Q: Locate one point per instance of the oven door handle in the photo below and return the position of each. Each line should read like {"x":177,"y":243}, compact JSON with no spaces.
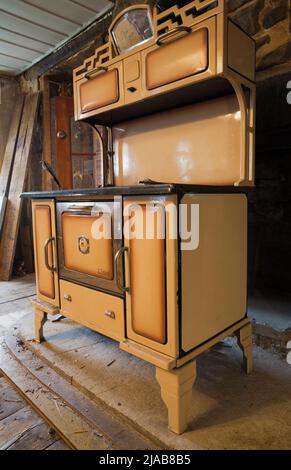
{"x":79,"y":208}
{"x":121,"y":250}
{"x":46,"y":255}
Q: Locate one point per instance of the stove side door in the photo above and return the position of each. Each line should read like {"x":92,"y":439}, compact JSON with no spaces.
{"x":151,"y":269}
{"x":45,"y":255}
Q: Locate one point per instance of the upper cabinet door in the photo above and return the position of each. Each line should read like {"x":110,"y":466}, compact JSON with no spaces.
{"x":180,"y":57}
{"x":99,"y":90}
{"x":44,"y":234}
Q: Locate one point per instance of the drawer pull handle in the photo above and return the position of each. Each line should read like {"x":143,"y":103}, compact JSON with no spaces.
{"x":116,"y":259}
{"x":89,"y":74}
{"x":110,"y":314}
{"x":68,"y":297}
{"x":179,"y":29}
{"x":80,"y":208}
{"x":132,"y":89}
{"x":46,"y":255}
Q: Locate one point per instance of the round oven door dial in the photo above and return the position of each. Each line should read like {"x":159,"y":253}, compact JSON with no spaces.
{"x":84,"y":245}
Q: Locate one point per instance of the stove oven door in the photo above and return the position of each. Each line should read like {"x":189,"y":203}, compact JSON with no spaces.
{"x":89,"y":238}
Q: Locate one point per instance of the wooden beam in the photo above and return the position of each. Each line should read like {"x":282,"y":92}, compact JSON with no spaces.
{"x":64,"y":109}
{"x":46,"y":131}
{"x":7,"y":165}
{"x":17,"y":185}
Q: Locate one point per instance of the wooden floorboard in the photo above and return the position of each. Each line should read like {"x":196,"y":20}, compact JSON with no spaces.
{"x":10,"y":401}
{"x":121,"y":435}
{"x":38,"y":437}
{"x":77,"y":432}
{"x":51,"y":396}
{"x":19,"y":288}
{"x":16,"y":425}
{"x":15,"y":301}
{"x":21,"y":428}
{"x":58,"y":445}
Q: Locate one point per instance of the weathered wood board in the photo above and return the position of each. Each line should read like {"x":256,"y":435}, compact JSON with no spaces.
{"x":7,"y":165}
{"x":119,"y":434}
{"x":46,"y":129}
{"x":17,"y":185}
{"x":3,"y":203}
{"x":76,"y":432}
{"x":20,"y":427}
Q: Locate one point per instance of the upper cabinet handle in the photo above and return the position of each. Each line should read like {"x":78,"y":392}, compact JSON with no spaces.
{"x":179,"y":29}
{"x":88,"y":75}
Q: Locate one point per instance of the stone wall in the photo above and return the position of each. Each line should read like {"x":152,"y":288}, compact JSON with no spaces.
{"x":269,"y":23}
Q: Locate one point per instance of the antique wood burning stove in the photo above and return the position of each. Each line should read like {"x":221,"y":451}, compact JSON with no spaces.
{"x":175,"y":91}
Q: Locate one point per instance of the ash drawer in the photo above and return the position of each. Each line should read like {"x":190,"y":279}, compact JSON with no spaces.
{"x":99,"y":311}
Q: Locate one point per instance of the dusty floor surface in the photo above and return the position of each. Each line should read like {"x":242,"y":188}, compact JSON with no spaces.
{"x":21,"y":428}
{"x":15,"y":299}
{"x":271,"y":309}
{"x":229,"y":410}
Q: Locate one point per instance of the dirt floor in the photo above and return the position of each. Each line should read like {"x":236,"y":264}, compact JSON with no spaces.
{"x":229,"y":410}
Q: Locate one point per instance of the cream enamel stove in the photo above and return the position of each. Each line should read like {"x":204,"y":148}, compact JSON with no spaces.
{"x":175,"y":92}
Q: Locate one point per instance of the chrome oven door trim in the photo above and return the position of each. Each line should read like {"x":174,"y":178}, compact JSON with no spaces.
{"x":83,"y":208}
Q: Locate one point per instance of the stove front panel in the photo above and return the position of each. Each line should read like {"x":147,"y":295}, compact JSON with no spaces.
{"x":89,"y":236}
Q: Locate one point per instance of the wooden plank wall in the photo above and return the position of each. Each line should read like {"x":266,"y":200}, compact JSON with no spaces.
{"x":17,"y":185}
{"x":9,"y":91}
{"x":7,"y":164}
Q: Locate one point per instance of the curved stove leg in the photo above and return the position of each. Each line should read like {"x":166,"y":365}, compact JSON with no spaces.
{"x":245,"y":342}
{"x":176,"y":391}
{"x":40,"y":318}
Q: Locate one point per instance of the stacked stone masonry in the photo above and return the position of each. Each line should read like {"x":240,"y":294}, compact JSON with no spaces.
{"x":269,"y":23}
